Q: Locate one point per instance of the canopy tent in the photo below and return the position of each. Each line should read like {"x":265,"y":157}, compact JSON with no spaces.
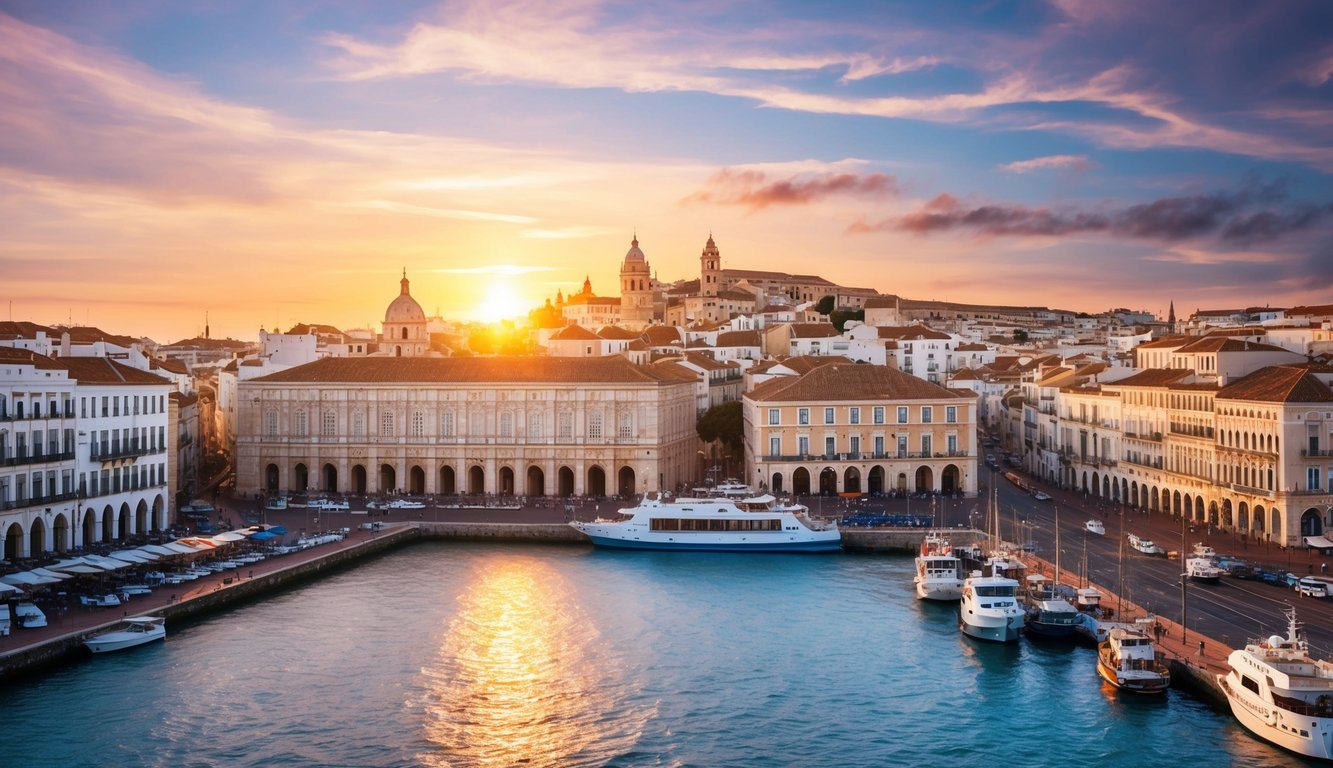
{"x":52,"y":574}
{"x":278,"y":529}
{"x":177,"y":548}
{"x":158,"y":549}
{"x":6,"y":588}
{"x":27,"y":579}
{"x":197,"y":544}
{"x":107,"y":563}
{"x":66,"y":565}
{"x":263,"y":536}
{"x":229,"y":537}
{"x":81,"y":569}
{"x":133,"y":556}
{"x":1318,"y":542}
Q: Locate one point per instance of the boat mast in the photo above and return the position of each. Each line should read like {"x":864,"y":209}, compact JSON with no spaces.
{"x":1057,"y":544}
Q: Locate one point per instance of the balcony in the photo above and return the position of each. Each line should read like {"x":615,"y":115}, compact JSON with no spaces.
{"x":126,"y":450}
{"x":1145,"y":461}
{"x":1192,"y":430}
{"x":1238,"y":488}
{"x":36,"y":457}
{"x":820,"y":457}
{"x":37,"y":501}
{"x":1155,"y":437}
{"x":1313,"y":454}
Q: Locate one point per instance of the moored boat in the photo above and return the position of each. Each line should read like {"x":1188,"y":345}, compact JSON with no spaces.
{"x":937,"y":569}
{"x":1281,"y":694}
{"x":714,"y":525}
{"x":989,"y":609}
{"x":1146,"y":546}
{"x":1128,"y":660}
{"x":1049,"y":613}
{"x":128,"y":634}
{"x":1202,"y":570}
{"x":1095,"y":526}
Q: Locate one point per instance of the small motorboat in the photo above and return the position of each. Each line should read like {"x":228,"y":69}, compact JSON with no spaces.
{"x":101,"y":601}
{"x":128,"y":633}
{"x":1095,"y":526}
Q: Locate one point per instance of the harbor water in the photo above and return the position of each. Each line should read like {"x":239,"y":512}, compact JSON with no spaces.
{"x":489,"y":655}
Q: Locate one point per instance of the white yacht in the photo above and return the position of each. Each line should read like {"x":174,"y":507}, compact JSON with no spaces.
{"x":714,"y":525}
{"x":989,"y":609}
{"x":937,"y":570}
{"x":1281,"y":694}
{"x":128,"y":634}
{"x":1095,"y":526}
{"x":1128,"y":660}
{"x":1146,"y":546}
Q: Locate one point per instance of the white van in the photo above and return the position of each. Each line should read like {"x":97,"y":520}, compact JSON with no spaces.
{"x":1314,"y":586}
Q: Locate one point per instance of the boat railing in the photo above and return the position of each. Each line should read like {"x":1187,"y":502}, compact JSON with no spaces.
{"x":1322,"y":706}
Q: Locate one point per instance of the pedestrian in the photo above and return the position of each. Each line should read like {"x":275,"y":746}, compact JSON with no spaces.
{"x":1323,"y":567}
{"x":1200,"y":649}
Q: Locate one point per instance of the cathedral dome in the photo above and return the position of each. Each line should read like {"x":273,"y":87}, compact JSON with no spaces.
{"x":634,"y":254}
{"x":404,"y":309}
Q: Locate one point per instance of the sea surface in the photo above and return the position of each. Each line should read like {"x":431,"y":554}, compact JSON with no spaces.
{"x":487,"y":655}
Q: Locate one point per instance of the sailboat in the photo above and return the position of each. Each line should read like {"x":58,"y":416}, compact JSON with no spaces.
{"x":1049,"y":614}
{"x":1127,"y":658}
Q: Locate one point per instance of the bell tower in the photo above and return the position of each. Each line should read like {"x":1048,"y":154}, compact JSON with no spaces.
{"x":710,"y":268}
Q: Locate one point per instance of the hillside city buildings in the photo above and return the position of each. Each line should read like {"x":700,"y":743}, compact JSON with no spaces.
{"x":1224,"y":416}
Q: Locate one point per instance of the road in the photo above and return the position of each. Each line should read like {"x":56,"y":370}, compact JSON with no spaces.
{"x":1233,"y":611}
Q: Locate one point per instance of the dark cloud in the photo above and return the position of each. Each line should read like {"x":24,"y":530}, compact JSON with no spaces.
{"x":1256,"y":212}
{"x":754,"y":190}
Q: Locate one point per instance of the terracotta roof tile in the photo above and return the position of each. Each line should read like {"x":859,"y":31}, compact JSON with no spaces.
{"x":1279,"y":384}
{"x":26,"y":357}
{"x":1154,"y":377}
{"x":100,"y":370}
{"x":738,"y":339}
{"x":843,"y":382}
{"x":574,"y":333}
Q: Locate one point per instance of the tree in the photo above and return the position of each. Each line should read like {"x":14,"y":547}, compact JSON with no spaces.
{"x":724,"y":423}
{"x":825,"y":305}
{"x":839,"y":317}
{"x":1020,"y":336}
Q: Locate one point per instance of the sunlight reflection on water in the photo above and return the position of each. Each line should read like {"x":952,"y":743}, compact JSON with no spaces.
{"x":520,"y":677}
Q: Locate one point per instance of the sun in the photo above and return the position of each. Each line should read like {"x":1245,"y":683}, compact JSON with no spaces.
{"x":500,"y":303}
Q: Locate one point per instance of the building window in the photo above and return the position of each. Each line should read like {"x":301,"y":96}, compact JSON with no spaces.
{"x":802,"y":416}
{"x":626,"y":428}
{"x":830,"y":446}
{"x":447,"y":428}
{"x":358,"y":424}
{"x":803,"y":445}
{"x":828,"y":415}
{"x":952,"y":441}
{"x":595,"y":425}
{"x":1312,"y":478}
{"x":925,"y":446}
{"x":386,"y":423}
{"x":878,"y":414}
{"x":328,"y":424}
{"x":854,"y":444}
{"x":879,"y":445}
{"x":902,"y":446}
{"x":507,"y":424}
{"x":271,"y":423}
{"x":951,"y":414}
{"x":925,"y":414}
{"x":902,"y":414}
{"x":854,"y":415}
{"x":301,"y":425}
{"x":565,"y":426}
{"x":534,"y":425}
{"x":773,"y":416}
{"x":418,"y":424}
{"x":774,"y":446}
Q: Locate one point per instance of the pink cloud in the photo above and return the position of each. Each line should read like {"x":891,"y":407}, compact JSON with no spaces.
{"x":754,"y":190}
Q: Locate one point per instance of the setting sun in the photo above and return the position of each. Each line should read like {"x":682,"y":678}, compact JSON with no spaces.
{"x":500,"y":303}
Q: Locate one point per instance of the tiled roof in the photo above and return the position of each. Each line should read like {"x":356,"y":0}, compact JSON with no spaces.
{"x":813,"y":330}
{"x":202,"y":343}
{"x":1226,"y":344}
{"x":472,"y":370}
{"x":663,"y":335}
{"x":174,"y":366}
{"x":843,"y":382}
{"x":965,"y":374}
{"x":971,"y":347}
{"x":1166,"y":342}
{"x":910,"y":332}
{"x":100,"y":370}
{"x":1311,"y":310}
{"x":301,"y":329}
{"x":1154,"y":377}
{"x":736,"y":295}
{"x":773,"y":309}
{"x":756,"y":274}
{"x":881,"y":302}
{"x":800,"y":364}
{"x":89,"y":335}
{"x":738,"y":339}
{"x":22,"y":329}
{"x":574,"y":333}
{"x":26,"y":357}
{"x":616,"y":333}
{"x":707,"y":363}
{"x":1279,"y":384}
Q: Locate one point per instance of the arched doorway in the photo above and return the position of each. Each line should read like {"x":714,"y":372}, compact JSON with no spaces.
{"x":875,"y":481}
{"x":951,"y":479}
{"x":1134,"y":494}
{"x":506,"y":481}
{"x":141,"y":517}
{"x":14,"y":542}
{"x":330,"y":484}
{"x":596,"y":481}
{"x":476,"y":480}
{"x":564,"y":482}
{"x":108,"y":523}
{"x":89,"y":527}
{"x":625,"y":482}
{"x":359,"y":480}
{"x":1275,"y":526}
{"x":416,"y":480}
{"x":159,"y":515}
{"x":1096,"y":485}
{"x":828,"y":482}
{"x":271,"y":478}
{"x":1198,"y":508}
{"x":1212,"y":513}
{"x":447,"y":481}
{"x":388,"y":479}
{"x":925,"y":480}
{"x":1311,"y":523}
{"x":60,"y":533}
{"x":800,"y":482}
{"x":776,"y":484}
{"x":1243,"y":516}
{"x":1260,"y":519}
{"x":1154,"y":500}
{"x":301,"y":479}
{"x":36,"y":538}
{"x":1226,"y":513}
{"x":123,"y":523}
{"x":536,"y":485}
{"x":851,"y":480}
{"x":902,"y":482}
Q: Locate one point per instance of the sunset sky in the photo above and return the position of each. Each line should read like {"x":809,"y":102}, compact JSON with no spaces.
{"x":275,"y":162}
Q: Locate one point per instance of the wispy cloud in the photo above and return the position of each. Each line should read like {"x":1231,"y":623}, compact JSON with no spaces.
{"x":1071,"y":162}
{"x":755,"y":190}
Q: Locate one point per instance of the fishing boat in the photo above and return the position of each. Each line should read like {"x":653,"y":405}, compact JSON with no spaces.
{"x":1202,"y":570}
{"x":1128,"y":660}
{"x":1049,"y":614}
{"x":759,"y":524}
{"x":1281,"y":694}
{"x":128,"y":634}
{"x":937,"y":569}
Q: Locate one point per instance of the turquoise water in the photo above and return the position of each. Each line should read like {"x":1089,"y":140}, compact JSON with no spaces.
{"x":461,"y":656}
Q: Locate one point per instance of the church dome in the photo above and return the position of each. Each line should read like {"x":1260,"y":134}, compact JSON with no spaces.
{"x":404,"y":309}
{"x":634,"y":254}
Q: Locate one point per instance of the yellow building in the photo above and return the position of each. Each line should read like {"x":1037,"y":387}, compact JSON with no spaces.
{"x":848,"y":428}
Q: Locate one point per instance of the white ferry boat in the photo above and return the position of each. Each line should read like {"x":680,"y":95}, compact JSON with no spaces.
{"x":937,"y":570}
{"x":990,"y":609}
{"x":714,"y":525}
{"x":1128,"y":660}
{"x":1281,"y":694}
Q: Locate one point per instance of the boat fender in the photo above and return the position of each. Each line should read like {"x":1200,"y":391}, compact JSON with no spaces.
{"x":1271,"y":718}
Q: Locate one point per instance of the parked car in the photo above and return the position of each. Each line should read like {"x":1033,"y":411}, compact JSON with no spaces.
{"x":1041,"y":496}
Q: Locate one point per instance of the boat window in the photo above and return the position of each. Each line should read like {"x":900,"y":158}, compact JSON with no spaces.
{"x":1249,"y":684}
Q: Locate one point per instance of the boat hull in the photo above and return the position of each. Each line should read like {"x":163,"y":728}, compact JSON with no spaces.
{"x":944,"y":591}
{"x":1265,"y":721}
{"x":1133,"y":683}
{"x":751,"y":544}
{"x":1049,"y":630}
{"x":1006,"y":632}
{"x":119,"y":641}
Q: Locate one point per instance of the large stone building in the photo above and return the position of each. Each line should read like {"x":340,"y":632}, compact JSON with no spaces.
{"x":848,"y":428}
{"x":524,"y":426}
